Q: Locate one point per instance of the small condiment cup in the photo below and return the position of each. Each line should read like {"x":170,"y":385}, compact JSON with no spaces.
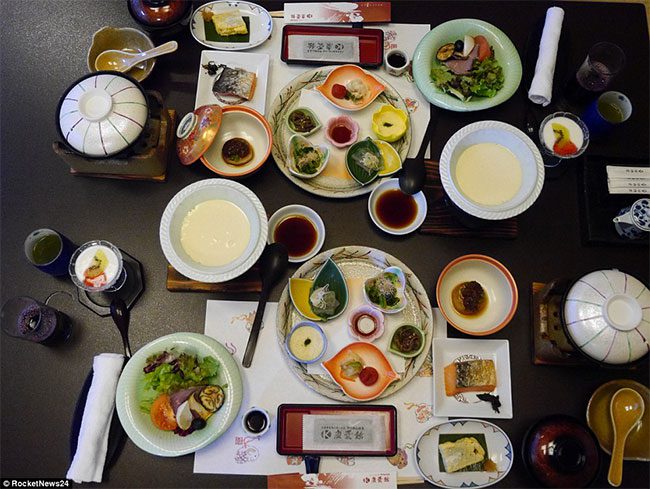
{"x":393,"y":184}
{"x":305,"y":212}
{"x":396,"y":70}
{"x":252,"y":411}
{"x":318,"y":329}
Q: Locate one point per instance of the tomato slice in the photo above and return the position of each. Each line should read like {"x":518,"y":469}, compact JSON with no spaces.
{"x":368,"y":376}
{"x":162,"y":414}
{"x":339,"y":91}
{"x":484,"y":50}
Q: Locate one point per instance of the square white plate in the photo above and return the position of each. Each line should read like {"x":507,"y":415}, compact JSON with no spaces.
{"x":448,"y":350}
{"x":256,"y":63}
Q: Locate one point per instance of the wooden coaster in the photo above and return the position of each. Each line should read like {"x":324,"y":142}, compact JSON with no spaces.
{"x":248,"y":282}
{"x":440,"y":219}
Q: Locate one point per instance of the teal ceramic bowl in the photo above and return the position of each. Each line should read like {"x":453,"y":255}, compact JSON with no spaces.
{"x":504,"y":51}
{"x":137,"y":423}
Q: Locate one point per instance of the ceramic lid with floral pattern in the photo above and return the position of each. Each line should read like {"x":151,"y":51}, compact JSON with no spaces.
{"x":102,"y":114}
{"x":196,"y":132}
{"x":607,"y":316}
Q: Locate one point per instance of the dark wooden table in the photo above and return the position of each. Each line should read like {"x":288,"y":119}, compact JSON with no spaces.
{"x":44,"y":46}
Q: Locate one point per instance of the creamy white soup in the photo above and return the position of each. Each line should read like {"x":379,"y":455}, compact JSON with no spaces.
{"x":488,"y":173}
{"x":215,"y":233}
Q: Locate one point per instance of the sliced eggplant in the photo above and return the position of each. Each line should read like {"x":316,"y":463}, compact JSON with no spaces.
{"x":445,"y":52}
{"x":212,"y":397}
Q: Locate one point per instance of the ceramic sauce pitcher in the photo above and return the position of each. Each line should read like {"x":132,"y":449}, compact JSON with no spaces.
{"x":634,"y":221}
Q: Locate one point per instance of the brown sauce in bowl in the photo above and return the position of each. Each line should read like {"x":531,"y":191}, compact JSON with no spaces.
{"x":395,"y":209}
{"x":298,"y":234}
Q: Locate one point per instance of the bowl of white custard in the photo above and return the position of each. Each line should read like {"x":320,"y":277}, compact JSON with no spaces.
{"x":213,"y":230}
{"x":491,"y":170}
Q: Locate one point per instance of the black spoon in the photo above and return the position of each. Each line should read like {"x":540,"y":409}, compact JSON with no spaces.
{"x":273,"y":264}
{"x":120,"y":315}
{"x":413,"y":175}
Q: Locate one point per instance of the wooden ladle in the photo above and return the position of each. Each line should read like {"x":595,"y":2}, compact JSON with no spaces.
{"x":625,"y":409}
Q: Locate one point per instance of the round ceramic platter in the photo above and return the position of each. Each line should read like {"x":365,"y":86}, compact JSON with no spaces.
{"x":358,"y":263}
{"x":261,"y":24}
{"x":427,"y":459}
{"x":137,"y":423}
{"x":504,"y":51}
{"x":599,"y":420}
{"x":334,"y":182}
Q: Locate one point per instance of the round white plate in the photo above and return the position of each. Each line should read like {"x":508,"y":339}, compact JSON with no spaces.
{"x":499,"y":450}
{"x":334,"y":182}
{"x":261,"y":24}
{"x":358,"y":263}
{"x":186,"y":200}
{"x":137,"y":423}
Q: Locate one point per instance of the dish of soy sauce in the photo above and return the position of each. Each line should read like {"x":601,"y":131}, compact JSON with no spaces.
{"x":298,"y":234}
{"x":395,"y":209}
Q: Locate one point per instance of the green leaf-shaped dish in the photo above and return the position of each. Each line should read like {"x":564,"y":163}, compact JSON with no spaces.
{"x":356,"y":154}
{"x":305,"y":112}
{"x":330,"y":276}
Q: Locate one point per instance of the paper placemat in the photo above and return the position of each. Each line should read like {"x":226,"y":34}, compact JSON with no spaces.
{"x":396,"y":36}
{"x":269,"y":382}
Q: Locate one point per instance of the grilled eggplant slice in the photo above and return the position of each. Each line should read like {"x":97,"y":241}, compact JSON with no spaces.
{"x":445,"y":52}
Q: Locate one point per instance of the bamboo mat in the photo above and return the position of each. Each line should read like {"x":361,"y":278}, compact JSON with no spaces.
{"x":441,"y":221}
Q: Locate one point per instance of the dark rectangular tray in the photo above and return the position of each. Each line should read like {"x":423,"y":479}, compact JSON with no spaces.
{"x":598,"y":207}
{"x":371,"y":44}
{"x":289,"y":441}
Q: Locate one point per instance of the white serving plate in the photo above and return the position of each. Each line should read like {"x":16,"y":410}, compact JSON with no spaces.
{"x":261,"y":24}
{"x":448,"y":350}
{"x":253,"y":62}
{"x":499,"y":450}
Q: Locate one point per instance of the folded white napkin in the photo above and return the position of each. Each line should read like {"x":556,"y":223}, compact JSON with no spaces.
{"x":88,"y":462}
{"x":541,"y":87}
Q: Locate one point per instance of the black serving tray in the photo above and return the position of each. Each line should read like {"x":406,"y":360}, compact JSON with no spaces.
{"x":598,"y":207}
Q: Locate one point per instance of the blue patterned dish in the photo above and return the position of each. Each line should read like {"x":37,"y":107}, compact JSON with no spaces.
{"x":499,"y":451}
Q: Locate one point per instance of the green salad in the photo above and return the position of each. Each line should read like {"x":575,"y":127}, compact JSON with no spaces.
{"x":168,"y":372}
{"x":468,"y":68}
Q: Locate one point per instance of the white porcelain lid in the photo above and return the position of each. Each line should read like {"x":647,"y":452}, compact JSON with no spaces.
{"x":103,"y":114}
{"x":607,"y":314}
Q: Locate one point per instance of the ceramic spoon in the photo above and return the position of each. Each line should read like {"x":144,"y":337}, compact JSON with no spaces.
{"x":116,"y":60}
{"x":273,"y":264}
{"x":625,"y":409}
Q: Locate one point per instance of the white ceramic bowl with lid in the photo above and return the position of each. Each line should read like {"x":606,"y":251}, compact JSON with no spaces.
{"x":526,"y":152}
{"x":102,"y":114}
{"x":606,"y":315}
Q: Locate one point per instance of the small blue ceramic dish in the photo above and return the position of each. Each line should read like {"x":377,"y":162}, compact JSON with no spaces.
{"x":306,"y":342}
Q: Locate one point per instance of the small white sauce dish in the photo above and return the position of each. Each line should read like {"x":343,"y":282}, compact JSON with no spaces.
{"x":304,"y":326}
{"x":393,"y":184}
{"x":302,"y":211}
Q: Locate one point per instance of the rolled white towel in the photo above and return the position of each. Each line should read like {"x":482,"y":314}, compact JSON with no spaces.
{"x":541,"y":88}
{"x":88,"y":462}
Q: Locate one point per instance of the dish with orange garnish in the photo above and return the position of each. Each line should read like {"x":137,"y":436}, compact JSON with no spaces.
{"x":349,"y":87}
{"x":362,"y":371}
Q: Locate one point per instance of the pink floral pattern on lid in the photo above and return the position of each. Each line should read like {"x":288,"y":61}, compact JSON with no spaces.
{"x":196,"y":132}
